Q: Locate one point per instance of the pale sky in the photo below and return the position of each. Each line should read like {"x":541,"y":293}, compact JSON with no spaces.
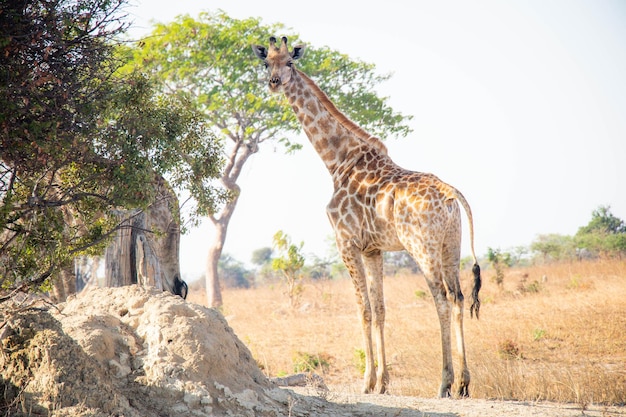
{"x":521,"y":105}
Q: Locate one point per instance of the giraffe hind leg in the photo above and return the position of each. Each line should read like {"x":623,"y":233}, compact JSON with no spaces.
{"x":451,"y":270}
{"x":443,"y":306}
{"x":373,"y":263}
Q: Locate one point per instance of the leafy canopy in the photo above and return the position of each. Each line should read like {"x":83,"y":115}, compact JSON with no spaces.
{"x":210,"y":57}
{"x":79,"y":139}
{"x":605,"y":233}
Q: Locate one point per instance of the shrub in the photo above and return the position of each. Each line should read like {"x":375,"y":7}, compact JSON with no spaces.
{"x":307,"y":362}
{"x":508,"y":349}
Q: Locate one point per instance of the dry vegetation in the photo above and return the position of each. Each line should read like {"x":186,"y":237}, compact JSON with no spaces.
{"x":554,"y":332}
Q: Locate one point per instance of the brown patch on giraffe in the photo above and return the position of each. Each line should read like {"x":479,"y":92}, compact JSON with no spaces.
{"x":360,"y":176}
{"x":325,"y":126}
{"x":312,"y":107}
{"x":341,"y":194}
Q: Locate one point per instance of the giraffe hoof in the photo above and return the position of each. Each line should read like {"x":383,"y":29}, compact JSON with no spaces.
{"x":444,"y":392}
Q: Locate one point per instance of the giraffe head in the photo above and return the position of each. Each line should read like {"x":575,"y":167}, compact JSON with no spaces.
{"x":278,"y":61}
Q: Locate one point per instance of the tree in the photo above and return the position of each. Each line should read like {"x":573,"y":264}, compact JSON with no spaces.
{"x":79,"y":139}
{"x":233,"y":272}
{"x":553,"y":246}
{"x":290,"y":264}
{"x":262,"y":256}
{"x":211,"y":59}
{"x":499,"y":261}
{"x":603,"y":221}
{"x":605,"y":233}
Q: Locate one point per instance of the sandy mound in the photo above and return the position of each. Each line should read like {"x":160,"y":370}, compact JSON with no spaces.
{"x":133,"y":352}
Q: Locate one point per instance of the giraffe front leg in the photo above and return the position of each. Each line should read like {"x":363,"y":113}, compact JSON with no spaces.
{"x":352,"y":259}
{"x":369,"y":377}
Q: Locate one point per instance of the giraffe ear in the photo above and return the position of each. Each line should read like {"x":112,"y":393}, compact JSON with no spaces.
{"x":260,"y":51}
{"x":298,"y":51}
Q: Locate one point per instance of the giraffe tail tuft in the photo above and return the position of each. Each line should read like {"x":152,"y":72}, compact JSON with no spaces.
{"x":475,"y":308}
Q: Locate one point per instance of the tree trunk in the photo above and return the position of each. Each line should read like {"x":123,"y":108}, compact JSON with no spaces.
{"x":236,"y":160}
{"x":121,"y":256}
{"x":213,"y":288}
{"x":64,"y":284}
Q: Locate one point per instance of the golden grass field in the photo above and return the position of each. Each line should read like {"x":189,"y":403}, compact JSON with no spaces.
{"x":554,"y":332}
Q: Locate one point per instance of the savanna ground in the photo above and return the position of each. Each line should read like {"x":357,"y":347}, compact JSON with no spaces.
{"x":549,"y":333}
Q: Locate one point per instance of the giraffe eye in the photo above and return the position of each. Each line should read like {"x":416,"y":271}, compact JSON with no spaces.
{"x":266,"y":64}
{"x":290,"y":64}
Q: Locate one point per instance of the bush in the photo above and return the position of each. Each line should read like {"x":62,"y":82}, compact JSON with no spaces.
{"x":307,"y":362}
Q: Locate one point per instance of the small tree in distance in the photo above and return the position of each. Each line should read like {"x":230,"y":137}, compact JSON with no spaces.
{"x":290,"y":263}
{"x":261,"y":256}
{"x":605,"y":234}
{"x":499,"y":260}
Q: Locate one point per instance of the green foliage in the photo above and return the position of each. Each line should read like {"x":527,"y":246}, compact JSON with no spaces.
{"x":499,"y":261}
{"x":233,"y":272}
{"x":307,"y":362}
{"x":262,"y":256}
{"x":79,"y":139}
{"x":420,"y":294}
{"x":359,"y":360}
{"x":530,"y":288}
{"x":331,"y":265}
{"x":604,"y":234}
{"x":553,"y":247}
{"x":539,"y":334}
{"x":211,"y":58}
{"x":466,"y":262}
{"x":603,"y":221}
{"x":290,"y":264}
{"x":320,"y":268}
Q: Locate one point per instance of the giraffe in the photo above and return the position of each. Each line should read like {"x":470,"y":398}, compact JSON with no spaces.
{"x":378,"y":206}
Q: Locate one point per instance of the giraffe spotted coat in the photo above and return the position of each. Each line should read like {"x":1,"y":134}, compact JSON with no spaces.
{"x":378,"y":206}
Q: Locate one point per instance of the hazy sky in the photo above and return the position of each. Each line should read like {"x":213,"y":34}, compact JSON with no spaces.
{"x":521,"y":105}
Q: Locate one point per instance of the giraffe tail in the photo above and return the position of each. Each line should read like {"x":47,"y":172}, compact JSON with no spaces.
{"x":475,"y":307}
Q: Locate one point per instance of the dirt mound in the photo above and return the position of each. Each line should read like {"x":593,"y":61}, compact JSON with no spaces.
{"x":134,"y":352}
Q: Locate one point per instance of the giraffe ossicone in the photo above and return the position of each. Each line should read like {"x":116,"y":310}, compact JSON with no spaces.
{"x":378,"y":206}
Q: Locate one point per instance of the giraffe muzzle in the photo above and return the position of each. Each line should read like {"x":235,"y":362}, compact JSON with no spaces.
{"x":274,"y":81}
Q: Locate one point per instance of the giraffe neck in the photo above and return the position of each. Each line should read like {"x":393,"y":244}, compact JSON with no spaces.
{"x":339,"y":141}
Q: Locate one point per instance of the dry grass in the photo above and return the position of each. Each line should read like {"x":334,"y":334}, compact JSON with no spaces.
{"x":562,"y":338}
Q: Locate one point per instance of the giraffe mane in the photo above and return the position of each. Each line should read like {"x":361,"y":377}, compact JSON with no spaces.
{"x":360,"y":133}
